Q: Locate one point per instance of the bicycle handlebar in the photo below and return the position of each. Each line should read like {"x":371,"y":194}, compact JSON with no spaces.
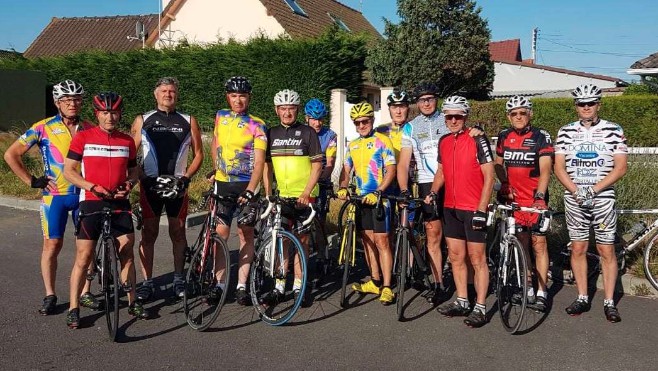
{"x":546,"y":214}
{"x":273,"y":200}
{"x":106,"y":211}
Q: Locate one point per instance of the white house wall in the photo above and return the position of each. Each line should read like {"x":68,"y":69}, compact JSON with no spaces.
{"x":511,"y":78}
{"x":209,"y":21}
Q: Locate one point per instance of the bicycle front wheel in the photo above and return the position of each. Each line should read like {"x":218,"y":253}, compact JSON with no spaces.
{"x":402,"y":270}
{"x":346,"y":245}
{"x":512,"y":285}
{"x":201,"y":303}
{"x":651,"y":262}
{"x":110,"y":285}
{"x":277,"y":290}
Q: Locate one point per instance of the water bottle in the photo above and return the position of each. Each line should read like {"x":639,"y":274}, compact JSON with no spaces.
{"x":635,"y":231}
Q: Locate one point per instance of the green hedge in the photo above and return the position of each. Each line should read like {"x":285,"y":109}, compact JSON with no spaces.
{"x":636,"y":114}
{"x":312,"y":67}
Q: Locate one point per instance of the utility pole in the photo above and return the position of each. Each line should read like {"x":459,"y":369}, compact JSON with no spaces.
{"x":535,"y":32}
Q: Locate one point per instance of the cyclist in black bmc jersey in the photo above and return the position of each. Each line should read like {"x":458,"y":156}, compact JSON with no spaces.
{"x":165,"y":136}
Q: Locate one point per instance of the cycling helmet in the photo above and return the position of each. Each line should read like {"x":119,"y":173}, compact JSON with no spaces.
{"x":362,"y":110}
{"x":67,"y":87}
{"x":425,"y":88}
{"x":315,"y":109}
{"x":518,"y":101}
{"x":108,"y":101}
{"x":398,"y":97}
{"x":237,"y":84}
{"x":587,"y":93}
{"x":166,"y":186}
{"x":287,"y":97}
{"x":456,"y":102}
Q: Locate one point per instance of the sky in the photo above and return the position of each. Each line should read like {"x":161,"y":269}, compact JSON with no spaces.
{"x":597,"y":36}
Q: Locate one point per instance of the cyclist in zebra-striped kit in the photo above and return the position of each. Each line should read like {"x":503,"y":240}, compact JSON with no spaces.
{"x":590,"y":157}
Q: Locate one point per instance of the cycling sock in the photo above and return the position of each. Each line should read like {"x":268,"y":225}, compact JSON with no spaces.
{"x":584,"y":298}
{"x":608,"y":303}
{"x":480,"y":308}
{"x":542,"y":293}
{"x":297,"y":285}
{"x":463,"y":302}
{"x":531,"y":291}
{"x":377,"y":283}
{"x":242,"y":286}
{"x":280,"y":285}
{"x":221,"y":285}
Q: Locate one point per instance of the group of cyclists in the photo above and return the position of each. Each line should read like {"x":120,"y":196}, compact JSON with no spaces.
{"x":88,"y":167}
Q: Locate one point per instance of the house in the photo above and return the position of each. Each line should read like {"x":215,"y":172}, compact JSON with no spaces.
{"x":645,"y":67}
{"x":513,"y":75}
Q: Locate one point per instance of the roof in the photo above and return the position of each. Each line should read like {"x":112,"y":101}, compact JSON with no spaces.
{"x":646,"y":63}
{"x":619,"y":81}
{"x":70,"y":35}
{"x":505,"y":50}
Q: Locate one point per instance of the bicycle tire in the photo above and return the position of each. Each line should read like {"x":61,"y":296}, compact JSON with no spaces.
{"x":111,"y":286}
{"x":262,"y":281}
{"x":200,"y":311}
{"x":651,"y":262}
{"x":560,"y":271}
{"x":403,"y":269}
{"x":347,"y":261}
{"x":512,"y":286}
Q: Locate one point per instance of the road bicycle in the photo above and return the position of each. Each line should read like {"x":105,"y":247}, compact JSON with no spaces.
{"x":642,"y":232}
{"x":201,"y":309}
{"x":107,"y":266}
{"x":348,"y":241}
{"x":512,"y":268}
{"x":278,"y":251}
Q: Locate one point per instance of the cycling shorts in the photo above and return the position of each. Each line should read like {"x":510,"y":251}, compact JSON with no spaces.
{"x":152,"y":204}
{"x":428,"y":211}
{"x":226,"y":210}
{"x":54,"y":212}
{"x":457,"y":224}
{"x":90,"y":226}
{"x":603,"y":217}
{"x":367,"y":219}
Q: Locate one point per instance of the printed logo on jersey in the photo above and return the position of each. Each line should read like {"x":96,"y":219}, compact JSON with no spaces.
{"x":286,"y":142}
{"x":519,"y":156}
{"x":298,"y":133}
{"x":58,"y":131}
{"x":586,"y":150}
{"x":528,"y":143}
{"x":370,"y":145}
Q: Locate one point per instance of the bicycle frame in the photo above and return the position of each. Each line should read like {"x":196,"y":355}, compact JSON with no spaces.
{"x":351,"y":218}
{"x":645,"y":234}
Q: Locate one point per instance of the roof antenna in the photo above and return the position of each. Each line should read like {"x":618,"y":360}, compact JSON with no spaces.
{"x":140,"y":33}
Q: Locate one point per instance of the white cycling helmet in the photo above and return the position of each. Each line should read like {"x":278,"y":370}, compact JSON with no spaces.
{"x":518,"y":101}
{"x":287,"y":97}
{"x":67,"y":87}
{"x":587,"y":93}
{"x":456,"y":102}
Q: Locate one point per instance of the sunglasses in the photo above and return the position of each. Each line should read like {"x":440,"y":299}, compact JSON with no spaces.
{"x":427,"y":100}
{"x":361,"y":122}
{"x":588,"y":104}
{"x":70,"y":101}
{"x":455,"y":117}
{"x":521,"y":113}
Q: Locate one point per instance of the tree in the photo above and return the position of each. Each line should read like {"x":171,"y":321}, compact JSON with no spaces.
{"x":648,"y":85}
{"x":442,"y":41}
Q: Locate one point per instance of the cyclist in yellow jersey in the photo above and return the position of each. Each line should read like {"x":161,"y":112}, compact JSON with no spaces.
{"x":238,"y":152}
{"x":371,"y":156}
{"x":53,"y":136}
{"x":294,"y":160}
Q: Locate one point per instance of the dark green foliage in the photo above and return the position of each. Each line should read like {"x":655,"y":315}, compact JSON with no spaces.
{"x":648,"y":86}
{"x":443,"y":41}
{"x":310,"y":66}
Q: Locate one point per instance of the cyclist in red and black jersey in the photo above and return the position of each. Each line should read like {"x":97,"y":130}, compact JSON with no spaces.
{"x":465,"y":170}
{"x":527,"y":153}
{"x":108,"y":162}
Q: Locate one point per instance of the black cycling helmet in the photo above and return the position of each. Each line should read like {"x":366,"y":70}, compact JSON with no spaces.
{"x":108,"y":101}
{"x":398,"y":97}
{"x":237,"y":84}
{"x":425,"y":88}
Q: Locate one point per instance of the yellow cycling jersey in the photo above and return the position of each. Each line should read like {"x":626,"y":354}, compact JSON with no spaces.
{"x":369,"y":156}
{"x":394,"y":133}
{"x":237,"y":137}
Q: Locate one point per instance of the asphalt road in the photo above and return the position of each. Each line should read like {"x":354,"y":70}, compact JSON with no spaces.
{"x":323,"y":337}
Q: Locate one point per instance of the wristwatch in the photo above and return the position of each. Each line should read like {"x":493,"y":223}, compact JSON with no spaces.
{"x":539,"y":195}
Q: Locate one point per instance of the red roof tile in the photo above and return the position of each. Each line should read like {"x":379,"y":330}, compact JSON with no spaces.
{"x":505,"y":51}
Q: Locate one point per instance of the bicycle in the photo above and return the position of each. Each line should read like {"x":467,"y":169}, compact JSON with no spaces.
{"x":347,"y":253}
{"x":107,"y":266}
{"x":512,"y":272}
{"x":201,"y":310}
{"x":271,"y":271}
{"x":642,"y":232}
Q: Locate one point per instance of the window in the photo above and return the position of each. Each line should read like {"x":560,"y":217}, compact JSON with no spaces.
{"x":295,"y":7}
{"x":339,"y":22}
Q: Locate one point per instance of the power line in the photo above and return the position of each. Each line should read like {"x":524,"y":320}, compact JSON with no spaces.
{"x":593,"y":52}
{"x":581,"y":50}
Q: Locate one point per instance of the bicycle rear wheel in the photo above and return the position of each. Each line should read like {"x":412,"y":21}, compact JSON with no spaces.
{"x":346,"y":245}
{"x":512,"y":285}
{"x":402,"y":247}
{"x":277,"y":309}
{"x":201,"y":308}
{"x":110,"y":285}
{"x":651,"y":262}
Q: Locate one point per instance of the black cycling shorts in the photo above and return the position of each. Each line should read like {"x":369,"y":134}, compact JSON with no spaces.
{"x":90,"y":226}
{"x":229,"y":209}
{"x":429,"y":213}
{"x":367,"y":219}
{"x":293,"y":216}
{"x":152,"y":204}
{"x":457,"y":224}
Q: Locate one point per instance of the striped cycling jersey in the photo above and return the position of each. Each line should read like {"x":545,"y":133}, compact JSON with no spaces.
{"x":53,"y":138}
{"x":589,"y":152}
{"x":291,"y":150}
{"x":237,"y":137}
{"x":422,"y":135}
{"x":166,"y":140}
{"x":369,"y":156}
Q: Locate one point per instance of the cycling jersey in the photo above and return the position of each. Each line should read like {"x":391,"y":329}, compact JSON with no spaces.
{"x":291,"y":150}
{"x":237,"y":137}
{"x":394,"y":133}
{"x":422,"y":134}
{"x":521,"y":151}
{"x":106,"y":158}
{"x":328,"y":145}
{"x":369,"y":156}
{"x":53,"y":138}
{"x":460,"y":156}
{"x":589,"y":152}
{"x":166,"y":139}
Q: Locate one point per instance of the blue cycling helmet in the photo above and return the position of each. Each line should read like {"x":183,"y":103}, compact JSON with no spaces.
{"x":315,"y":109}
